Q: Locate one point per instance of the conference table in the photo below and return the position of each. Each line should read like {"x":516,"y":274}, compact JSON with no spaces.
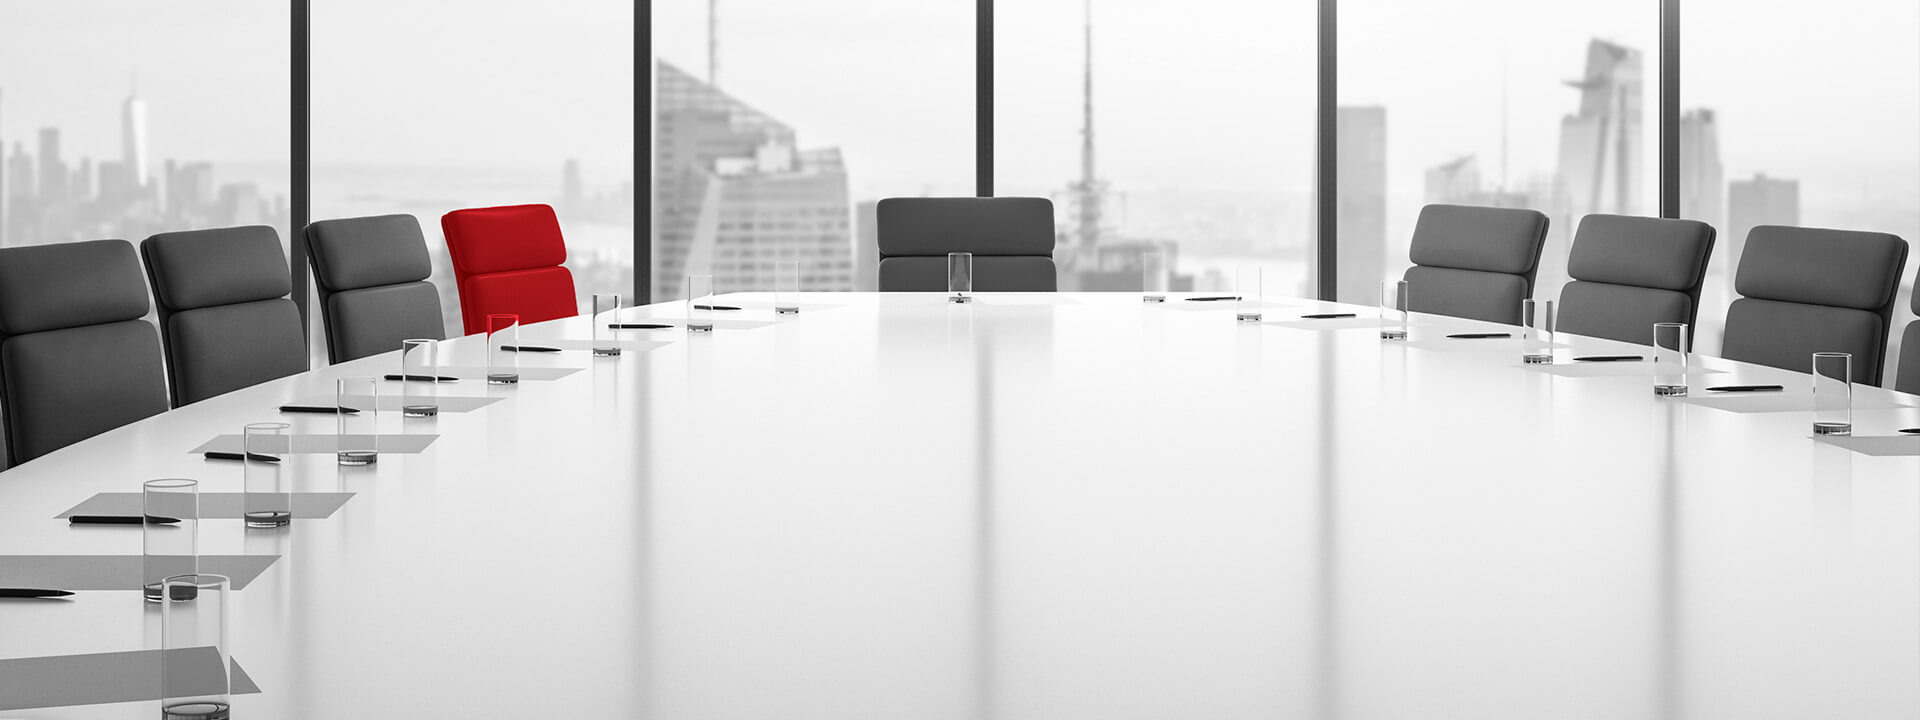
{"x":1072,"y":505}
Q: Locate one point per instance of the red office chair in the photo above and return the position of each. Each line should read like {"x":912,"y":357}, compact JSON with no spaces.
{"x":507,"y":260}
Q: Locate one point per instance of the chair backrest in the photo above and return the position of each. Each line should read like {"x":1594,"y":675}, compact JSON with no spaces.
{"x":1631,"y":272}
{"x":1474,"y":262}
{"x":508,"y":260}
{"x":225,"y":316}
{"x":1807,"y":290}
{"x":372,"y":274}
{"x":1011,"y":239}
{"x":76,"y":357}
{"x":1908,"y":379}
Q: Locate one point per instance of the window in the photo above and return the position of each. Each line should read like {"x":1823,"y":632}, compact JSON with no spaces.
{"x":1822,"y":135}
{"x":1184,"y":127}
{"x":779,"y":125}
{"x":500,"y":103}
{"x":106,"y":134}
{"x":1510,"y":103}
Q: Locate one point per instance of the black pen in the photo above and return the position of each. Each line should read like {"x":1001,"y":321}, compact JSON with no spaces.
{"x":1910,"y":431}
{"x":1609,"y":358}
{"x":120,"y":520}
{"x":424,"y":378}
{"x":33,"y":593}
{"x":638,"y":326}
{"x":1327,"y":316}
{"x":1745,"y":388}
{"x":323,"y":409}
{"x":218,"y":455}
{"x":1212,"y":299}
{"x":1479,"y":336}
{"x":715,"y":307}
{"x":529,"y":348}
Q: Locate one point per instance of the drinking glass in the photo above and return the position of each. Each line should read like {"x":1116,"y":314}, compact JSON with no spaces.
{"x":960,"y":277}
{"x":419,"y":378}
{"x":194,"y":655}
{"x":786,"y":288}
{"x":1393,"y":310}
{"x":1247,"y":289}
{"x":1832,"y":393}
{"x":266,"y":463}
{"x":1670,"y":359}
{"x":358,"y":437}
{"x":168,"y":548}
{"x":700,"y":303}
{"x":503,"y":365}
{"x":1537,"y":339}
{"x":604,"y":305}
{"x":1153,"y":276}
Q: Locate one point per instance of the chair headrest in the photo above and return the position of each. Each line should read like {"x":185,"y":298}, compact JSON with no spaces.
{"x":65,"y":285}
{"x":982,"y":226}
{"x":205,"y":268}
{"x":352,"y":253}
{"x":1465,"y":237}
{"x":1837,"y":268}
{"x":501,"y":239}
{"x":1641,"y":251}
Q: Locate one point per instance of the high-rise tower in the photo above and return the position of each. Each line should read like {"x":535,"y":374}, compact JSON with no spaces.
{"x":133,"y":140}
{"x":1088,"y":192}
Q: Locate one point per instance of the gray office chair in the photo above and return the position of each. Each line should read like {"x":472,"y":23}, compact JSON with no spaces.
{"x":1805,"y":290}
{"x":1011,"y":239}
{"x":1631,"y":272}
{"x":1908,"y":381}
{"x":372,"y":274}
{"x":225,"y":316}
{"x":76,"y":359}
{"x":1474,"y":262}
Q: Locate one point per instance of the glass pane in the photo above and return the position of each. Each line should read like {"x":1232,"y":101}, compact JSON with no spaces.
{"x":1511,"y":103}
{"x":106,"y":134}
{"x":780,"y":124}
{"x":420,"y":110}
{"x":1186,"y":127}
{"x":1795,"y":119}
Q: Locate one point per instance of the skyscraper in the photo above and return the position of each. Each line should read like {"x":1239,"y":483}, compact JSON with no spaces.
{"x":1752,"y":203}
{"x":1088,"y":194}
{"x":1702,"y":177}
{"x":735,"y":194}
{"x":53,"y":173}
{"x":1600,"y":153}
{"x":1361,"y":156}
{"x":1454,"y":181}
{"x":133,"y":141}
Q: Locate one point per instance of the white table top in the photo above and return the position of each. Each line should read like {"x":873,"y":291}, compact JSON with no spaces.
{"x":1071,"y":506}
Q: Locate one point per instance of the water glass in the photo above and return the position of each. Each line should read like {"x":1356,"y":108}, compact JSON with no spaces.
{"x":419,"y":378}
{"x":1393,"y":310}
{"x":1247,"y":290}
{"x":168,"y":548}
{"x":605,"y":305}
{"x":1536,"y":339}
{"x":1832,"y":393}
{"x":194,"y":655}
{"x":1153,"y":276}
{"x":960,"y":277}
{"x":503,"y":364}
{"x":266,"y":461}
{"x":786,"y":288}
{"x":700,"y":303}
{"x":1670,"y":359}
{"x":358,"y":433}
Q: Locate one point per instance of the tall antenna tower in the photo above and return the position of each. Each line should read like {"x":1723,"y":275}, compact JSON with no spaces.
{"x":1088,"y":191}
{"x":713,"y":43}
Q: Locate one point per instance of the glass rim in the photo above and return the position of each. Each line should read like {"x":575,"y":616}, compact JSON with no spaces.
{"x":337,"y":382}
{"x":419,"y":341}
{"x":506,"y":316}
{"x":1669,"y":325}
{"x":171,"y":483}
{"x":274,"y":426}
{"x":1832,"y":355}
